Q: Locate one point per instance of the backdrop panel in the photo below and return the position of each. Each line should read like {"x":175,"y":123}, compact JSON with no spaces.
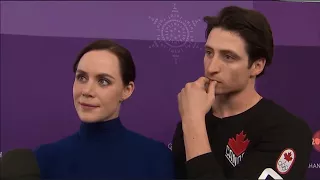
{"x":39,"y":43}
{"x":36,"y":88}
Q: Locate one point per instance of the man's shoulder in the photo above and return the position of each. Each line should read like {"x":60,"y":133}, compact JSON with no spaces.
{"x":279,"y":119}
{"x":178,"y":133}
{"x":179,"y":126}
{"x":280,"y":114}
{"x":178,"y":141}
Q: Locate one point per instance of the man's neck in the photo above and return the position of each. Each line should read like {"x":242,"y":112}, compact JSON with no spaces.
{"x":233,"y":104}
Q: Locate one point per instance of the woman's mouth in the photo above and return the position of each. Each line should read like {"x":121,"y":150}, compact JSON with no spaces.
{"x":90,"y":106}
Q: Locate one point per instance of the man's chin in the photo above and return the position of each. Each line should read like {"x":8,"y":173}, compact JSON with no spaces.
{"x":220,"y":92}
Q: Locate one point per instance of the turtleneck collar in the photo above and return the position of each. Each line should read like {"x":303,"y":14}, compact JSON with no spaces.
{"x":98,"y":129}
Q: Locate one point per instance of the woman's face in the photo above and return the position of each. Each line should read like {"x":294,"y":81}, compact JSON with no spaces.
{"x":98,"y":89}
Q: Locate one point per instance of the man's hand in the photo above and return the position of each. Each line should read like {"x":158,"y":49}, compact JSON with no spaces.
{"x":196,"y":98}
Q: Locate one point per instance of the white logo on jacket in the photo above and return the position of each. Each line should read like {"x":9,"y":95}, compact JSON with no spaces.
{"x":269,"y":172}
{"x":236,"y":148}
{"x":285,"y":161}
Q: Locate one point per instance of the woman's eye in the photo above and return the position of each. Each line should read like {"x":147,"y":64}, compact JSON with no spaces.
{"x":104,"y":82}
{"x":81,"y":78}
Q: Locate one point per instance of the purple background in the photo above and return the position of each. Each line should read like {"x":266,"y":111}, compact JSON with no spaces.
{"x":40,"y":40}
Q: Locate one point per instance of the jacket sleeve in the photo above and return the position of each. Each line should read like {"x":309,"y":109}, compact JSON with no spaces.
{"x":201,"y":167}
{"x":178,"y":153}
{"x":283,"y":152}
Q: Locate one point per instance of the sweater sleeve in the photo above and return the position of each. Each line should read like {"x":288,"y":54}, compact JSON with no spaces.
{"x":283,"y":153}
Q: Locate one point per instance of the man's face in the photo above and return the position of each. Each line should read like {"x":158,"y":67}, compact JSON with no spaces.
{"x":226,"y":61}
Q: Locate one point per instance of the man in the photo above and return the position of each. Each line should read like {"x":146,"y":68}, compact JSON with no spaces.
{"x":227,"y":129}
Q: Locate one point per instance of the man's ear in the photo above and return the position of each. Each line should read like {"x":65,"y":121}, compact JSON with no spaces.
{"x":257,"y":67}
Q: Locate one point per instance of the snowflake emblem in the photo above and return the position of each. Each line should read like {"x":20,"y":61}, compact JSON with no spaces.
{"x":174,"y":33}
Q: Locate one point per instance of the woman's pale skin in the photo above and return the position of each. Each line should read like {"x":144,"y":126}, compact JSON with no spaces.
{"x":98,"y":89}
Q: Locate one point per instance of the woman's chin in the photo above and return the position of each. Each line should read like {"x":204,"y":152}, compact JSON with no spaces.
{"x":89,"y":119}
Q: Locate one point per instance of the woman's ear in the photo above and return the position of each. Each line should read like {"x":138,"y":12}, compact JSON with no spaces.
{"x":127,"y":91}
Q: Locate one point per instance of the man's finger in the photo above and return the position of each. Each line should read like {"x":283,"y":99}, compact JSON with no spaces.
{"x":202,"y":81}
{"x":212,"y":90}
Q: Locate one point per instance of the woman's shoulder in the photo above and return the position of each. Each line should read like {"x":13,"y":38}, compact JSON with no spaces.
{"x":143,"y":142}
{"x":54,"y":147}
{"x":50,"y":154}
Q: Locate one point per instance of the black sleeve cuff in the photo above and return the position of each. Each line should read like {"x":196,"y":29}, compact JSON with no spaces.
{"x":204,"y":166}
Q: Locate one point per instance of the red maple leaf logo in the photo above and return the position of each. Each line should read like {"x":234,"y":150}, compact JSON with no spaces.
{"x":287,"y":156}
{"x":238,"y":145}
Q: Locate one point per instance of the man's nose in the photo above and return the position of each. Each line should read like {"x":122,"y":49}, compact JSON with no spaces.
{"x":213,"y":66}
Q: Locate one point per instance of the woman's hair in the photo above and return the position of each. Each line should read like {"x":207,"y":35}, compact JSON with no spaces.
{"x":127,"y":66}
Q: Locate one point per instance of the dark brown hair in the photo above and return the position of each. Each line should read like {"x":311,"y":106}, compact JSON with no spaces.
{"x":251,"y":25}
{"x":127,"y":66}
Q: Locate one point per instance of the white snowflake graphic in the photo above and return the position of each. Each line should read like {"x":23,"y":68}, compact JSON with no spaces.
{"x":174,"y":33}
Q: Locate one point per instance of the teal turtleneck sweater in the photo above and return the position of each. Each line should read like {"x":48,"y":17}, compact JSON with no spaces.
{"x":105,"y":150}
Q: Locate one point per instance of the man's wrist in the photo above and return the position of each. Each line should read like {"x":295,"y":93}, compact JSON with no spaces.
{"x":195,"y":136}
{"x":193,"y":123}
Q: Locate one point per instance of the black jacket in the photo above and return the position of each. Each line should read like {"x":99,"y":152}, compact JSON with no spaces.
{"x":265,"y":140}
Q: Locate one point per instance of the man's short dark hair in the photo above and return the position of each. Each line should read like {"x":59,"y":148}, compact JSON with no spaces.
{"x":251,"y":25}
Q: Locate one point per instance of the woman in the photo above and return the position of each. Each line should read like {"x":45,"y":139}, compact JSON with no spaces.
{"x":103,"y":148}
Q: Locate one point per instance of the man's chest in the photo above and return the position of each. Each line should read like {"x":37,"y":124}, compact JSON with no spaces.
{"x":231,"y":143}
